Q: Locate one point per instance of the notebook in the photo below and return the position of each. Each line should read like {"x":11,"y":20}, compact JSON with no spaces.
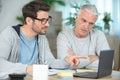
{"x":104,"y":68}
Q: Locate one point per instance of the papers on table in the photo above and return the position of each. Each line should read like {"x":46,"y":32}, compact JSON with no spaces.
{"x":85,"y":70}
{"x":55,"y":71}
{"x":3,"y":75}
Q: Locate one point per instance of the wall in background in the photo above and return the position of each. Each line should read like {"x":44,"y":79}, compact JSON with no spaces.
{"x":116,"y":17}
{"x":10,"y":9}
{"x":111,"y":6}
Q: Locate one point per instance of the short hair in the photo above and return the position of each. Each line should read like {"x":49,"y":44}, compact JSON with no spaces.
{"x":90,"y":8}
{"x":31,"y":9}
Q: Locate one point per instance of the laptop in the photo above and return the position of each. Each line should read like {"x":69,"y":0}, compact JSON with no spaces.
{"x":104,"y":68}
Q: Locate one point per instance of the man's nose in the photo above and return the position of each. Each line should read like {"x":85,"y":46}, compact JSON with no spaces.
{"x":86,"y":25}
{"x":47,"y":24}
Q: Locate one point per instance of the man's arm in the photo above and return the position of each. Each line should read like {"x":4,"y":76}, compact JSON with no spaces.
{"x":29,"y":69}
{"x":8,"y":60}
{"x":100,"y":44}
{"x":10,"y":67}
{"x":48,"y":56}
{"x":92,"y":58}
{"x":63,"y":45}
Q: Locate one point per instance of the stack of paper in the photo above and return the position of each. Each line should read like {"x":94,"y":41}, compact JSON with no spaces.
{"x":65,"y":75}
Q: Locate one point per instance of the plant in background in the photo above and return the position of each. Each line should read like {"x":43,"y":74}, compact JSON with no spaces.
{"x":49,"y":2}
{"x":20,"y":19}
{"x":76,"y":7}
{"x":97,"y":27}
{"x":71,"y":19}
{"x":107,"y":18}
{"x":52,"y":2}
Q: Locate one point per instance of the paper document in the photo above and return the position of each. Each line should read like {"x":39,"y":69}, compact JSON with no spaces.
{"x":3,"y":75}
{"x":85,"y":70}
{"x":55,"y":71}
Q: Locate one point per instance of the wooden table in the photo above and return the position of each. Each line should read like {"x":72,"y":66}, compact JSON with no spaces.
{"x":114,"y":76}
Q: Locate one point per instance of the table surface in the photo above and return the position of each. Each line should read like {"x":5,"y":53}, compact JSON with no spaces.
{"x":114,"y":76}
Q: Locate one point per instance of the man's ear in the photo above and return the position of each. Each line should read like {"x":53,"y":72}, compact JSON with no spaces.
{"x":75,"y":19}
{"x":28,"y":20}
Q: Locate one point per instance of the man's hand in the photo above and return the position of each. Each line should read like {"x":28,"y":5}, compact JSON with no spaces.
{"x":29,"y":69}
{"x":93,"y":58}
{"x":72,"y":60}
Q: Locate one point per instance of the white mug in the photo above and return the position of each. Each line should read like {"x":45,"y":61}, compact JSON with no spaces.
{"x":40,"y":71}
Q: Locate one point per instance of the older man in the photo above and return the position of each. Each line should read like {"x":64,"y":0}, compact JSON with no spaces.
{"x":83,"y":40}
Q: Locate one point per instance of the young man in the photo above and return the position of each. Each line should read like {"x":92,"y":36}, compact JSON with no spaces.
{"x":25,"y":45}
{"x":83,"y":40}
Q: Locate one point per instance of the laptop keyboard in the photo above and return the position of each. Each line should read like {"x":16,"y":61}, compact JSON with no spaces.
{"x":85,"y":74}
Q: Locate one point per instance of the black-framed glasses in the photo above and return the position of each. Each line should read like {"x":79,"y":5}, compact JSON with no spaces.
{"x":44,"y":20}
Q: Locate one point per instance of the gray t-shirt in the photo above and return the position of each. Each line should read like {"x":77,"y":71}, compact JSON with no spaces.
{"x":90,"y":45}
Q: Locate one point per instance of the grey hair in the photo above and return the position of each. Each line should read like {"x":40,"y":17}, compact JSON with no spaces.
{"x":90,"y":8}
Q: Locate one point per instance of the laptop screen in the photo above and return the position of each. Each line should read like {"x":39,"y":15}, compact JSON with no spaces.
{"x":105,"y":63}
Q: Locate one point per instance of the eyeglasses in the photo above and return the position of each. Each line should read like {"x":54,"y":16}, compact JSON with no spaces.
{"x":44,"y":20}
